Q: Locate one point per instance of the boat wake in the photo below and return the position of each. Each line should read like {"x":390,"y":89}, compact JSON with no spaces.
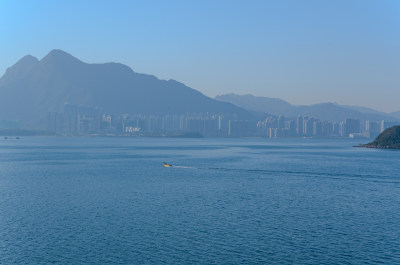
{"x":186,"y":167}
{"x":338,"y":175}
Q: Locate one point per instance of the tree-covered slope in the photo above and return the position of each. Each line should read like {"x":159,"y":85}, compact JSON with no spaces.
{"x":390,"y":138}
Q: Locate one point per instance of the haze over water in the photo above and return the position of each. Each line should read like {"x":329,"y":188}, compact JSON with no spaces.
{"x":109,"y":200}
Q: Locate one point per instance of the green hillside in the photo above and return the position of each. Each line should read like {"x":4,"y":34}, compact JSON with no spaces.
{"x":390,"y":138}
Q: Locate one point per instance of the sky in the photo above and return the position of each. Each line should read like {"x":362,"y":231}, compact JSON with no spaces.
{"x":305,"y":52}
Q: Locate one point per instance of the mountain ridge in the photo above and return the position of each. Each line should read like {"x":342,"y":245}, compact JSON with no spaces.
{"x":325,"y":111}
{"x":31,"y":88}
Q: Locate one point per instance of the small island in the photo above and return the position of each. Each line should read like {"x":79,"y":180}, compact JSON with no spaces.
{"x":388,"y":139}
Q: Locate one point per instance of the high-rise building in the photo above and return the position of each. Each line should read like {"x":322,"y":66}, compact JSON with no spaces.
{"x":372,"y":128}
{"x":352,"y":126}
{"x":281,"y":122}
{"x":342,"y":129}
{"x":335,"y":129}
{"x":55,"y":122}
{"x":299,"y":125}
{"x":327,"y":128}
{"x":308,"y":126}
{"x":387,"y":124}
{"x":317,"y":128}
{"x":290,"y":127}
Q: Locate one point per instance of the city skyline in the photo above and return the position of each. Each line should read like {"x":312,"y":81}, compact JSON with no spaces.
{"x":92,"y":114}
{"x":82,"y":120}
{"x":303,"y":52}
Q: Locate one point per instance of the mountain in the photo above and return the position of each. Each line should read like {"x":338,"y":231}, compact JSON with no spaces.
{"x":32,"y":88}
{"x":260,"y":104}
{"x":363,"y":109}
{"x":388,"y":139}
{"x":395,"y":114}
{"x":323,"y":111}
{"x":338,"y":113}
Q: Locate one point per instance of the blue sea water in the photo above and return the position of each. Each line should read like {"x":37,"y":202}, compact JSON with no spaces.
{"x":226,"y":201}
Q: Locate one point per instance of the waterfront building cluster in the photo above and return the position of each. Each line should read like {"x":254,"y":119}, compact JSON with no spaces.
{"x":275,"y":127}
{"x":78,"y":120}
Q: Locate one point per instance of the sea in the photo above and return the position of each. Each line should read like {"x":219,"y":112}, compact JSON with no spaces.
{"x":109,"y":200}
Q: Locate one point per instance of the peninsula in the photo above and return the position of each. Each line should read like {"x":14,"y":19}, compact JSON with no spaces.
{"x":388,"y":139}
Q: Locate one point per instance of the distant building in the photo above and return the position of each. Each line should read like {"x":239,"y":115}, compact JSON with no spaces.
{"x":299,"y":126}
{"x":239,"y":128}
{"x":327,"y":128}
{"x":317,"y":128}
{"x":387,"y":124}
{"x":290,"y":127}
{"x":281,"y":122}
{"x":308,"y":126}
{"x":55,"y":122}
{"x":352,"y":126}
{"x":342,"y":129}
{"x":372,"y":128}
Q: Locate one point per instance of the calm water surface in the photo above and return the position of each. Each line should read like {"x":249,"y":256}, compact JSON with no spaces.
{"x":227,"y":201}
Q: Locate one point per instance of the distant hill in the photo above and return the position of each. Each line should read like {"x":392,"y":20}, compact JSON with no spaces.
{"x":324,"y":111}
{"x":32,"y":88}
{"x":364,"y":109}
{"x":396,"y":114}
{"x":259,"y":104}
{"x":388,"y":139}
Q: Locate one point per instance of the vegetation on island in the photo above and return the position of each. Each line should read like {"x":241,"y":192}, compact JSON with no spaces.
{"x":388,"y":139}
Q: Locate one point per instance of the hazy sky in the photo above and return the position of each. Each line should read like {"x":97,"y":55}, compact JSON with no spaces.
{"x":302,"y":51}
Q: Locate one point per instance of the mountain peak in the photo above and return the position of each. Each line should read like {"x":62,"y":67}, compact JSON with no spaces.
{"x":28,"y":59}
{"x":59,"y":56}
{"x":58,"y":53}
{"x":113,"y":87}
{"x":24,"y":65}
{"x":25,"y":62}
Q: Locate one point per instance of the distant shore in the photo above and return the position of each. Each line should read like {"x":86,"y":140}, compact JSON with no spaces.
{"x":388,"y":139}
{"x":377,"y":146}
